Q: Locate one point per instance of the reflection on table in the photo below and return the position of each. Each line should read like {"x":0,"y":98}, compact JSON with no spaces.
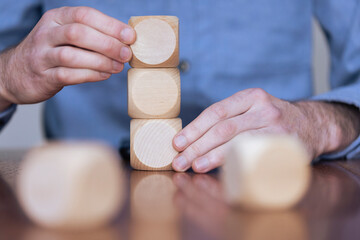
{"x":169,"y":205}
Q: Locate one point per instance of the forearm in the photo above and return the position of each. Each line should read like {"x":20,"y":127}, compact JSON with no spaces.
{"x":4,"y":103}
{"x":331,"y":126}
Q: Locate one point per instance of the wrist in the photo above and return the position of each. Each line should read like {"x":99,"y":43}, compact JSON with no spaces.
{"x":4,"y":103}
{"x":331,"y":126}
{"x":311,"y":130}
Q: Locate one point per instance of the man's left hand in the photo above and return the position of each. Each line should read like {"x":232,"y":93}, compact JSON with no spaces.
{"x":322,"y":127}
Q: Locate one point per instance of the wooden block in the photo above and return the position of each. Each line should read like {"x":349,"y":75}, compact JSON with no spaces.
{"x":153,"y":93}
{"x":71,"y":186}
{"x":157,"y":41}
{"x":266,"y":172}
{"x":151,"y":143}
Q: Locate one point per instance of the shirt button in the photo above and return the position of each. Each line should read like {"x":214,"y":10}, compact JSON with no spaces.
{"x":184,"y":66}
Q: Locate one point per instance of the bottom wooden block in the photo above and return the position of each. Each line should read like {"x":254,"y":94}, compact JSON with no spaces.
{"x":151,"y":143}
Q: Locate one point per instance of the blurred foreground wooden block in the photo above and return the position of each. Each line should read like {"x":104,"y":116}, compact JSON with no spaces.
{"x":157,"y":41}
{"x":71,"y":186}
{"x":266,"y":172}
{"x":151,"y":143}
{"x":153,"y":92}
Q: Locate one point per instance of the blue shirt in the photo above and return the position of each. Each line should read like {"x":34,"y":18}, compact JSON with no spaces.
{"x":229,"y":46}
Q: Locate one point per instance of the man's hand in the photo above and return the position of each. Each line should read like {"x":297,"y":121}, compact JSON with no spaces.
{"x":322,"y":127}
{"x":69,"y":45}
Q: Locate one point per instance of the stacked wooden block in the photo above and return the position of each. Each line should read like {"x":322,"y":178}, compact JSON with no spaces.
{"x":154,"y":92}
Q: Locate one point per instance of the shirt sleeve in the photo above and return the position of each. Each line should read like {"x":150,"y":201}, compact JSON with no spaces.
{"x":6,"y":115}
{"x":340,"y":22}
{"x":17,"y":18}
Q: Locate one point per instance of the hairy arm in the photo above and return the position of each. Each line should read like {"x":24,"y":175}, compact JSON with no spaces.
{"x":4,"y":104}
{"x":333,"y":125}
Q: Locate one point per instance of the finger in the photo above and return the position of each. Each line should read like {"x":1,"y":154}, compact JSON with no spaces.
{"x":69,"y":76}
{"x":219,"y":134}
{"x":211,"y":160}
{"x":73,"y":57}
{"x":227,"y":108}
{"x":85,"y":37}
{"x":97,"y":20}
{"x":216,"y":157}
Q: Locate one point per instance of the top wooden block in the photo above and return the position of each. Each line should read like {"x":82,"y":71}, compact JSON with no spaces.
{"x":157,"y":41}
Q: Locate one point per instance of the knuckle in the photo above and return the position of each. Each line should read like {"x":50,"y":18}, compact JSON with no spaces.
{"x":111,"y":26}
{"x":62,"y":76}
{"x":195,"y":150}
{"x":273,"y":113}
{"x":80,"y":14}
{"x":73,"y":32}
{"x":61,"y":9}
{"x":49,"y":14}
{"x":219,"y":111}
{"x":104,"y":65}
{"x":260,"y":94}
{"x":64,"y":55}
{"x":109,"y":46}
{"x":52,"y":13}
{"x":226,"y":129}
{"x":238,"y":97}
{"x":193,"y":129}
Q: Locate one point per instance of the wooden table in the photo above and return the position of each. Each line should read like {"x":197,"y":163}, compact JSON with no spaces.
{"x":169,"y":205}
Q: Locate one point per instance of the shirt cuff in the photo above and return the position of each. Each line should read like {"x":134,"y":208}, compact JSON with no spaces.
{"x":6,"y":115}
{"x":347,"y":95}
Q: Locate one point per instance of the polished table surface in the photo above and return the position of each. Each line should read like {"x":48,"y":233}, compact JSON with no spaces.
{"x":169,"y":205}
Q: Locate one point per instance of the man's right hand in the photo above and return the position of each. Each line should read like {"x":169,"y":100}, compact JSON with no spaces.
{"x":69,"y":45}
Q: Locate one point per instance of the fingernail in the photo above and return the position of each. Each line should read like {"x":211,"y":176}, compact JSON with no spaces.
{"x":127,"y":35}
{"x":180,"y":141}
{"x":125,"y":53}
{"x":117,"y":66}
{"x":180,"y":163}
{"x":202,"y":164}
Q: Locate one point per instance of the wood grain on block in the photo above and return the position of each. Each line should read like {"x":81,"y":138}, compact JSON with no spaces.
{"x":153,"y":92}
{"x":151,"y":143}
{"x":266,"y":172}
{"x":71,"y":185}
{"x":157,"y":41}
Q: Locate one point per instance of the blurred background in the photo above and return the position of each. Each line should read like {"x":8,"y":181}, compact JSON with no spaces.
{"x":25,"y":128}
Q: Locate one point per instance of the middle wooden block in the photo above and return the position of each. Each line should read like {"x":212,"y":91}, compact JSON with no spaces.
{"x":153,"y":92}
